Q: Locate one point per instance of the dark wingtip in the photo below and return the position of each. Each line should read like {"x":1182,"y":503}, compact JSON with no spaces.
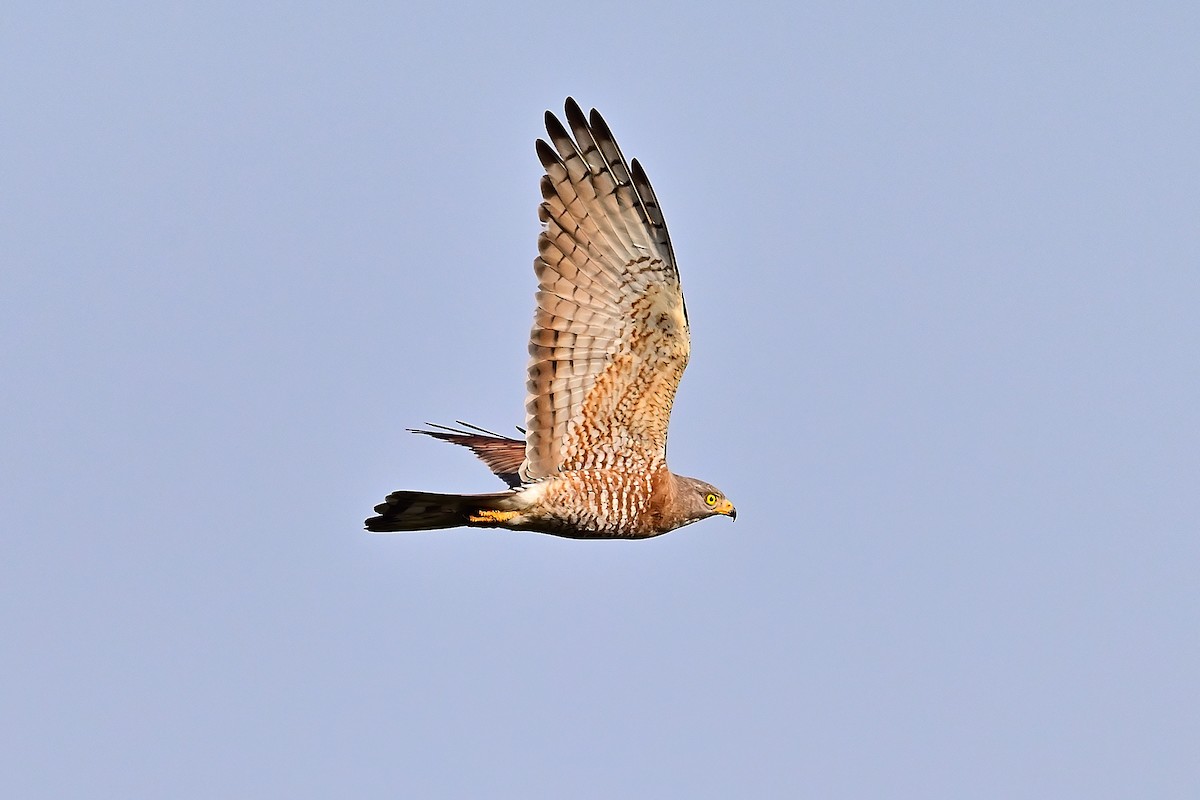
{"x":574,"y":113}
{"x":547,"y":154}
{"x":599,"y":126}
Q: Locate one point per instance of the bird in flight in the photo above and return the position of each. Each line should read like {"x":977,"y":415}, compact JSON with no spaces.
{"x":609,"y":344}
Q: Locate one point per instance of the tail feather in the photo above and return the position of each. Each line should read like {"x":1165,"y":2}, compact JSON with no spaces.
{"x":427,"y":511}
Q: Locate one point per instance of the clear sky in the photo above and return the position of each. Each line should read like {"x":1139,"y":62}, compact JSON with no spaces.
{"x":942,"y":263}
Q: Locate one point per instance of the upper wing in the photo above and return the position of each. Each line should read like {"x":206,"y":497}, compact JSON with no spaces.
{"x":610,"y":335}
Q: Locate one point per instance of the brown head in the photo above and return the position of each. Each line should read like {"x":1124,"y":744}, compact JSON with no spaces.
{"x":695,"y":500}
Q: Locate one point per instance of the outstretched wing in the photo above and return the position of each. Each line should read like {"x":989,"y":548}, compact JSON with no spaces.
{"x":502,"y":454}
{"x":610,"y":335}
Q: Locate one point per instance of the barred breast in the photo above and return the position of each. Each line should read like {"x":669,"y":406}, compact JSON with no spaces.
{"x":594,"y":503}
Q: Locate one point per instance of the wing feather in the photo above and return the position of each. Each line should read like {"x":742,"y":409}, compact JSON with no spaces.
{"x":501,"y":454}
{"x":610,"y":336}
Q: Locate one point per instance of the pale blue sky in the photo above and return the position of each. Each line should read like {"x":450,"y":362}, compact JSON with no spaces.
{"x":942,"y":264}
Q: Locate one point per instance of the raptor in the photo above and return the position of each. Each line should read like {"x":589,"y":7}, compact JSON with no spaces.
{"x":610,"y":341}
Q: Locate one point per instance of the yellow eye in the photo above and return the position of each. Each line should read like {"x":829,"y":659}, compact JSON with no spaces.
{"x":710,"y":499}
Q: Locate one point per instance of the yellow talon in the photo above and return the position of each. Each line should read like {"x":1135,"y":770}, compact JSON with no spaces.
{"x":491,"y":515}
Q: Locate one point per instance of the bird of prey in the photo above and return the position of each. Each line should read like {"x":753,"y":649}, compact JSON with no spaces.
{"x":609,"y":344}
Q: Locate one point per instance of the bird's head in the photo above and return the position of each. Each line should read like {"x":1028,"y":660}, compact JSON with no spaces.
{"x":698,"y":500}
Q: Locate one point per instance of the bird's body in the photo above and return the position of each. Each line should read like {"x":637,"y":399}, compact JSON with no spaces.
{"x":609,"y":344}
{"x":580,"y":504}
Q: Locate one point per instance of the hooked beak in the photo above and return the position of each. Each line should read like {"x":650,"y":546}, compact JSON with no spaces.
{"x":727,"y":509}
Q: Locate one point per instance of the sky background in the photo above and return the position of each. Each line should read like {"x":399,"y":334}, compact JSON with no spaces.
{"x":942,"y":264}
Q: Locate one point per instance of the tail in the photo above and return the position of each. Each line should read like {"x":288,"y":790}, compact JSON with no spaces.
{"x":426,"y":511}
